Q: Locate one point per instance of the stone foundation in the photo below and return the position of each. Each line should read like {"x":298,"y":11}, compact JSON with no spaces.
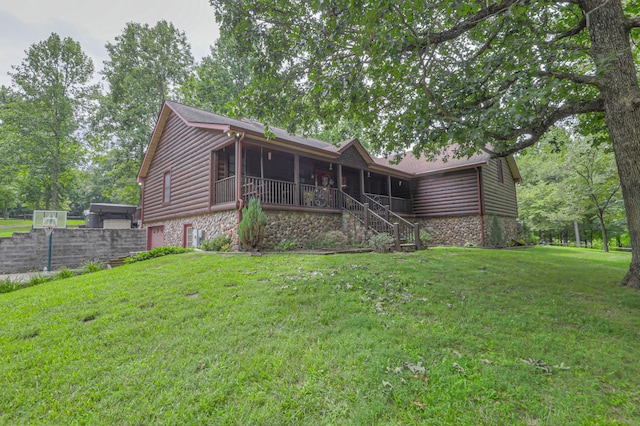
{"x":302,"y":227}
{"x":453,"y":230}
{"x":467,"y":230}
{"x":214,"y":224}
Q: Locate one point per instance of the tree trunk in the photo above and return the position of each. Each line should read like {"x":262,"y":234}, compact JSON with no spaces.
{"x":611,"y":49}
{"x":603,"y":230}
{"x":576,"y":231}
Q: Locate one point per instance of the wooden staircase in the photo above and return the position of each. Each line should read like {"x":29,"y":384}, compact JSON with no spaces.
{"x":380,"y":219}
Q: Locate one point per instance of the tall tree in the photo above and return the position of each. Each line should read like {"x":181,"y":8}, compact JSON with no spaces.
{"x":493,"y":75}
{"x":593,"y":179}
{"x":42,"y":121}
{"x":219,"y":78}
{"x":145,"y":66}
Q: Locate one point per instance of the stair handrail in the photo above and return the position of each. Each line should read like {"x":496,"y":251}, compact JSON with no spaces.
{"x":407,"y":229}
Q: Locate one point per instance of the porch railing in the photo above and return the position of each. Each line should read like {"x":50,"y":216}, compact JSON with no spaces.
{"x":270,"y":191}
{"x":225,"y":190}
{"x":396,"y":204}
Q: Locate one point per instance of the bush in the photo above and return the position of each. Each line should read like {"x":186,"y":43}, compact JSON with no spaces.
{"x":286,"y":245}
{"x":90,"y":266}
{"x":252,"y":225}
{"x":330,"y":240}
{"x":8,"y":285}
{"x":496,"y":238}
{"x":63,"y":273}
{"x":381,"y":243}
{"x":219,"y":243}
{"x":425,"y":238}
{"x":156,"y":252}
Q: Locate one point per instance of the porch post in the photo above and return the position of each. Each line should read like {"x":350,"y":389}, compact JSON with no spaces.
{"x":339,"y":182}
{"x":238,"y":169}
{"x":396,"y":235}
{"x":214,"y":176}
{"x":361,"y":185}
{"x":296,"y":179}
{"x":389,"y":190}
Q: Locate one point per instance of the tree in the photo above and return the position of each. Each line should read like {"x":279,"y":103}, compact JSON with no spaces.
{"x":42,"y":120}
{"x":145,"y":66}
{"x":594,"y":180}
{"x":219,"y":78}
{"x":491,"y":75}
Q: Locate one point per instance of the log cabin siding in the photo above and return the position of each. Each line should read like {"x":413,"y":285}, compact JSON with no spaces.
{"x":499,"y":198}
{"x":447,"y":194}
{"x":185,"y":152}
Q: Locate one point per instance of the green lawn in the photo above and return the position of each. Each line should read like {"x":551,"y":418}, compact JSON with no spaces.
{"x":541,"y":336}
{"x":9,"y":226}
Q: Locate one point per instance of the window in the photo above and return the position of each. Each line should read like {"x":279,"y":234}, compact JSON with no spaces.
{"x":166,"y":197}
{"x":500,"y":173}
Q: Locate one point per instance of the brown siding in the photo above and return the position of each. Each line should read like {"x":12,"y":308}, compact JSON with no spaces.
{"x":185,"y":151}
{"x":447,"y":194}
{"x":499,"y":198}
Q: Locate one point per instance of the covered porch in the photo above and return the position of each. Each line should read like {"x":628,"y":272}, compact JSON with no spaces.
{"x":290,"y":180}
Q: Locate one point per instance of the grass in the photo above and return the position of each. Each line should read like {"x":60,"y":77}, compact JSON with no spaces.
{"x":444,"y":336}
{"x":9,"y":226}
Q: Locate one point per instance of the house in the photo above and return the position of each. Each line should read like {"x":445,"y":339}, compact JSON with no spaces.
{"x":200,"y":168}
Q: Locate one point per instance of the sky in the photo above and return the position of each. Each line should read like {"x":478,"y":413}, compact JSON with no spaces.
{"x":93,"y":23}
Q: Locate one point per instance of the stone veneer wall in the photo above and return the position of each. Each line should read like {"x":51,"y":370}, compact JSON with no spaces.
{"x":453,"y":230}
{"x":508,"y":227}
{"x":214,"y":224}
{"x":298,"y":226}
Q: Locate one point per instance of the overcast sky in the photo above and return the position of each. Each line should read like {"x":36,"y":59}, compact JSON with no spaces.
{"x":93,"y":23}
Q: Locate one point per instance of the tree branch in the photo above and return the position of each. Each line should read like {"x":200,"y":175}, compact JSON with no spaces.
{"x":464,"y":26}
{"x":576,"y":78}
{"x":537,"y":129}
{"x":633,"y":22}
{"x":573,"y":31}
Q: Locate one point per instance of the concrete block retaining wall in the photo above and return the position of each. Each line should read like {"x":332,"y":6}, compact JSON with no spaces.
{"x":70,"y":247}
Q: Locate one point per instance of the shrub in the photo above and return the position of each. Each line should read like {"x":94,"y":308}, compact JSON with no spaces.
{"x":64,"y":273}
{"x":252,"y":225}
{"x":496,"y":237}
{"x":330,"y":240}
{"x":286,"y":245}
{"x":219,"y":243}
{"x":381,"y":243}
{"x":90,"y":266}
{"x":425,"y":238}
{"x":8,"y":285}
{"x":156,"y":252}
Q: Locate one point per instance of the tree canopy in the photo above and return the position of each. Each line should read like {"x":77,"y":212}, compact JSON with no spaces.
{"x":42,"y":118}
{"x":486,"y":75}
{"x":145,"y":66}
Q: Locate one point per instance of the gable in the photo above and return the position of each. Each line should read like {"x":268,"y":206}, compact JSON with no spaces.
{"x":352,"y":158}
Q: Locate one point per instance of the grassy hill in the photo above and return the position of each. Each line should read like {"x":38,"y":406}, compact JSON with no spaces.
{"x":444,"y":336}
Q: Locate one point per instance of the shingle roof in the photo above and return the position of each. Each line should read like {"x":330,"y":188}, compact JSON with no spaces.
{"x":409,"y":165}
{"x":195,"y":115}
{"x":445,"y":161}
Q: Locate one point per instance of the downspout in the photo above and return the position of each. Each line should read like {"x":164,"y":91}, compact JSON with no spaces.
{"x":480,"y":204}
